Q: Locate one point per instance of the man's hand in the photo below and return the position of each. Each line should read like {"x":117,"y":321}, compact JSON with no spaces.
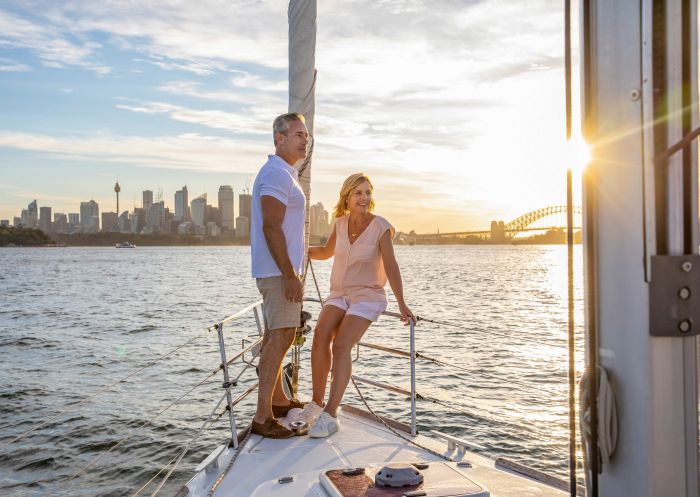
{"x":293,"y":289}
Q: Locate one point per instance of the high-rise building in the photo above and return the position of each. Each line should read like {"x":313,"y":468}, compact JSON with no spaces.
{"x":30,"y":217}
{"x":147,"y":199}
{"x":109,"y":221}
{"x":242,"y":227}
{"x":17,"y":222}
{"x":182,"y":206}
{"x":245,"y":200}
{"x":73,"y":222}
{"x":227,"y":219}
{"x":124,"y":222}
{"x":45,"y":219}
{"x":318,"y":220}
{"x":90,"y":216}
{"x":60,"y":223}
{"x":156,"y":215}
{"x":5,"y":222}
{"x":212,"y":215}
{"x":138,"y":220}
{"x":199,"y":210}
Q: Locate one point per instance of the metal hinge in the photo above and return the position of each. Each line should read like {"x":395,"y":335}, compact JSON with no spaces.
{"x":674,"y":296}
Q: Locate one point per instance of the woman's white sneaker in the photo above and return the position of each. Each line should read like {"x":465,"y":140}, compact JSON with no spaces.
{"x":324,"y":426}
{"x":310,"y":413}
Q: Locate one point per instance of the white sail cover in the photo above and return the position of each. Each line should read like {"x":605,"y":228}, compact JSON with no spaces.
{"x":302,"y":83}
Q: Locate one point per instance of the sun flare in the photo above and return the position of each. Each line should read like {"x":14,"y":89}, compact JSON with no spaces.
{"x":578,"y":154}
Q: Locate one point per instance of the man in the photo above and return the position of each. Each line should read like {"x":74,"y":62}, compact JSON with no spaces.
{"x":277,"y":249}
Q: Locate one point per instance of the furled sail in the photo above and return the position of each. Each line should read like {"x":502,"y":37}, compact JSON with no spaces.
{"x":302,"y":83}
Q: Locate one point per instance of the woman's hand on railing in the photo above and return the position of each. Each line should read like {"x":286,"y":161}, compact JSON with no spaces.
{"x":406,"y":315}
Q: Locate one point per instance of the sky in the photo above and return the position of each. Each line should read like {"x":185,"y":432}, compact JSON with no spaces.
{"x":454,"y":108}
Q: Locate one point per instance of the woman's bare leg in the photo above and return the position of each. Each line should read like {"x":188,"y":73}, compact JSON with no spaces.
{"x":349,"y":333}
{"x":326,"y":329}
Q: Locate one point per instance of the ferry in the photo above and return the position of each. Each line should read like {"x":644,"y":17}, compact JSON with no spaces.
{"x":125,"y":245}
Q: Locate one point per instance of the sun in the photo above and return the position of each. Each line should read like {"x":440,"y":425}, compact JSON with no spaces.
{"x":577,"y":154}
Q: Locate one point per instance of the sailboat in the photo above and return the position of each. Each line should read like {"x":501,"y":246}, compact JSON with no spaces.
{"x":642,"y":277}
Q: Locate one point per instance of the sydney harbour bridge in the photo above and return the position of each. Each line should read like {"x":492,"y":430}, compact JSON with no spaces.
{"x":500,"y":232}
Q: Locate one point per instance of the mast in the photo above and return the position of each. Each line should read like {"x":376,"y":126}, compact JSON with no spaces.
{"x":302,"y":99}
{"x":302,"y":84}
{"x":641,"y":239}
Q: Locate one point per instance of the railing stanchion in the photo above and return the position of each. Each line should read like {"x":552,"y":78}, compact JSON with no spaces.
{"x":227,"y":385}
{"x":414,"y":431}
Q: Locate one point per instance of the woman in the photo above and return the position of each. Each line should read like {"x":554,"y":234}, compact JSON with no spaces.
{"x":363,"y":262}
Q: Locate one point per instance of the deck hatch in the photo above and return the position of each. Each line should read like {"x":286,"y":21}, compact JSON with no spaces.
{"x":440,"y":479}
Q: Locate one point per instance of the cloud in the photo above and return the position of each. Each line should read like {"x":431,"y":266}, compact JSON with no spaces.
{"x":437,"y":96}
{"x":50,"y":45}
{"x":215,"y":119}
{"x":9,"y":65}
{"x":183,"y":152}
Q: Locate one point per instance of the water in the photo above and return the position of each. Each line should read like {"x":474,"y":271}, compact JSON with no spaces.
{"x":73,"y":320}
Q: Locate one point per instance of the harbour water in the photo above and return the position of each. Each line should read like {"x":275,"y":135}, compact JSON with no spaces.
{"x":73,"y":320}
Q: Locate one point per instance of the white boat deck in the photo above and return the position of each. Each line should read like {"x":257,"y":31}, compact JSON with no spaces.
{"x":361,"y":442}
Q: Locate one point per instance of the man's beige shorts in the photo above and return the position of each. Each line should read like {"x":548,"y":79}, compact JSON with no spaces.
{"x":279,"y":312}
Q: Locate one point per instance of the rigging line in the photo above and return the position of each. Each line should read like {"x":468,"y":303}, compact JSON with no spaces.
{"x":402,"y":437}
{"x":490,"y":333}
{"x":138,"y":428}
{"x":210,"y":420}
{"x":243,"y":395}
{"x":318,"y":291}
{"x":488,"y":375}
{"x":471,"y":330}
{"x":230,"y":463}
{"x":99,"y":392}
{"x":456,"y":366}
{"x":153,"y":478}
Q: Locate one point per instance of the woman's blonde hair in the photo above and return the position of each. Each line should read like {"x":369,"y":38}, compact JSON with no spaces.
{"x":349,"y":185}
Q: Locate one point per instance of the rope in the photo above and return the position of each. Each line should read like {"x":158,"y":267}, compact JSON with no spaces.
{"x":210,"y":420}
{"x":400,"y":435}
{"x":138,"y":428}
{"x":318,"y":291}
{"x":607,"y":422}
{"x":153,"y":478}
{"x":230,"y":464}
{"x":490,"y":333}
{"x":99,"y":392}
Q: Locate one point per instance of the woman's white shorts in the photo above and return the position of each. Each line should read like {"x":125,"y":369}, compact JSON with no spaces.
{"x":369,"y":310}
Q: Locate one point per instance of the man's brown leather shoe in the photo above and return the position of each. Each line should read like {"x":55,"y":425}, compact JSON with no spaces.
{"x":271,"y":428}
{"x":281,"y":411}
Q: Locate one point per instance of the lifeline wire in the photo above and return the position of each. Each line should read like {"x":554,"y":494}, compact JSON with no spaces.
{"x":210,"y":420}
{"x":99,"y":457}
{"x":105,"y":389}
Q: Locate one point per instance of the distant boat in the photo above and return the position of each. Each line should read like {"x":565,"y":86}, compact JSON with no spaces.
{"x":125,"y":245}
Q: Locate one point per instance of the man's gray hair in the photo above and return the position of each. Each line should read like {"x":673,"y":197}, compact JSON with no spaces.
{"x":281,"y":124}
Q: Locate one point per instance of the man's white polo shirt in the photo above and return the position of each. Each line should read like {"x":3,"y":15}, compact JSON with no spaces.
{"x":279,"y":180}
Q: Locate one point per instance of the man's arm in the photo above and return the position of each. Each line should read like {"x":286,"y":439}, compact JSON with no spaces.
{"x":272,"y":216}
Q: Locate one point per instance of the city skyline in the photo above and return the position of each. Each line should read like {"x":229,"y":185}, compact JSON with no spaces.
{"x":468,"y":129}
{"x":155,"y":216}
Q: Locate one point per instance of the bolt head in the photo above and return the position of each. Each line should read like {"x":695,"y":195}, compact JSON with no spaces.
{"x":635,"y":94}
{"x":685,"y":326}
{"x":687,"y":266}
{"x":684,"y":293}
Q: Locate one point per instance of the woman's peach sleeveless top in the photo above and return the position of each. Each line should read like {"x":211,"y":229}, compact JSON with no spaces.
{"x":358,"y":270}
